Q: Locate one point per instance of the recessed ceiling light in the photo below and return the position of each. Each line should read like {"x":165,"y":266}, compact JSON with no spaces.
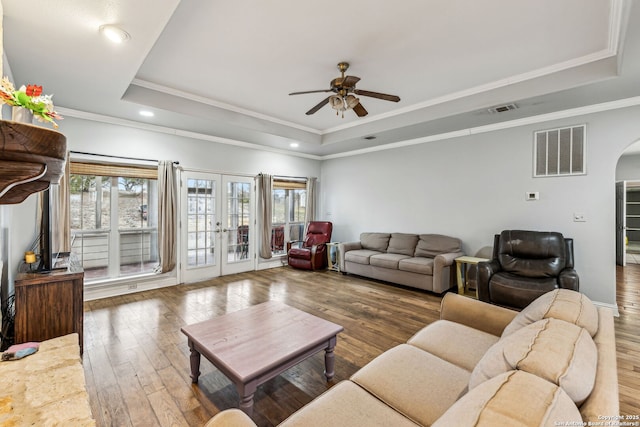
{"x":114,"y":33}
{"x":146,"y":113}
{"x":294,"y":145}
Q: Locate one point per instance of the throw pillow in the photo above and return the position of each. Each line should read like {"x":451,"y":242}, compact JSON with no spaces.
{"x":555,"y":350}
{"x":515,"y":398}
{"x":431,"y":245}
{"x":402,"y":243}
{"x":563,"y":304}
{"x":375,"y":241}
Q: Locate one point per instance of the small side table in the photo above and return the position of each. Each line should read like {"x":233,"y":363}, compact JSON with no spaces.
{"x":333,"y":264}
{"x":462,"y":262}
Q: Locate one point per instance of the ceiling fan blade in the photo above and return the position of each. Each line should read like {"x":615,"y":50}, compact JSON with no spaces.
{"x":378,"y":95}
{"x":310,"y":91}
{"x":318,"y":106}
{"x":350,"y":81}
{"x":359,"y":110}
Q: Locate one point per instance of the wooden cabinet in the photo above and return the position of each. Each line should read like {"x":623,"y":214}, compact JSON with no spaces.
{"x":49,"y":305}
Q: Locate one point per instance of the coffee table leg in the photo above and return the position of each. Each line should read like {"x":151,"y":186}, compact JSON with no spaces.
{"x":246,"y":392}
{"x":195,"y":362}
{"x":329,"y":359}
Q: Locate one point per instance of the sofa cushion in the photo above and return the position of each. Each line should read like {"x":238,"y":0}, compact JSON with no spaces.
{"x":456,"y":343}
{"x":515,"y":398}
{"x":430,"y":245}
{"x":402,"y":243}
{"x":375,"y":241}
{"x":360,"y":256}
{"x":418,"y":265}
{"x":386,"y":260}
{"x":563,"y":304}
{"x":555,"y":350}
{"x":511,"y":290}
{"x":346,"y":404}
{"x":415,"y":383}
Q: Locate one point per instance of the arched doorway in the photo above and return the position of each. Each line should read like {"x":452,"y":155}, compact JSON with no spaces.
{"x":628,"y":206}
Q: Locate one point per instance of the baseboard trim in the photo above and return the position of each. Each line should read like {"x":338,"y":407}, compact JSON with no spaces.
{"x":612,"y":307}
{"x":106,"y":290}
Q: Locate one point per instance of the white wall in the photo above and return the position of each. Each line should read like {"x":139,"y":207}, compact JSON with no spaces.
{"x":628,"y":168}
{"x":473,"y":187}
{"x":101,"y":138}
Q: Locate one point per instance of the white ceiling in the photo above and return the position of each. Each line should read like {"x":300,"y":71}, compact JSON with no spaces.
{"x":224,"y":69}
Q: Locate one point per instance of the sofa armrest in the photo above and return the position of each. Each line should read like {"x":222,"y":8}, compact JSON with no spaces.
{"x":442,"y":264}
{"x":344,"y":248}
{"x":475,"y":314}
{"x":485,"y":271}
{"x":568,"y":279}
{"x":293,"y":242}
{"x":604,"y":399}
{"x":317,"y":250}
{"x":230,"y":418}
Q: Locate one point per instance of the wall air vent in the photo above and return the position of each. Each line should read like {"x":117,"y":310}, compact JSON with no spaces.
{"x":502,"y":108}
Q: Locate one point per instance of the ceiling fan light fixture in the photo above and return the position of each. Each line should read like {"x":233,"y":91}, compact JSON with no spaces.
{"x":351,"y":101}
{"x":336,"y":102}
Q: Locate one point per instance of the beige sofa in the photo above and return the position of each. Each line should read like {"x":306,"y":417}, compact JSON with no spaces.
{"x":421,"y":261}
{"x":552,"y":364}
{"x":46,"y":388}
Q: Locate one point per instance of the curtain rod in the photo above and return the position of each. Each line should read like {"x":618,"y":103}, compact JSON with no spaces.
{"x":290,"y":178}
{"x":117,"y":157}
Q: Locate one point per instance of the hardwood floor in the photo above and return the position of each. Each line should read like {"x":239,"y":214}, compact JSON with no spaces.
{"x":628,"y":338}
{"x":136,"y":359}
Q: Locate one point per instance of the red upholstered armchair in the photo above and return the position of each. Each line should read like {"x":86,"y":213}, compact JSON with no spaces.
{"x":312,"y":254}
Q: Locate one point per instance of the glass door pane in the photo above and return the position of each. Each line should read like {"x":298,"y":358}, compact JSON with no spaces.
{"x":238,"y":226}
{"x":200,"y":252}
{"x":201,"y":220}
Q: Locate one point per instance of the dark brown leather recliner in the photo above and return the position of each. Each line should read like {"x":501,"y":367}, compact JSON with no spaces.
{"x":525,"y":265}
{"x":312,"y":255}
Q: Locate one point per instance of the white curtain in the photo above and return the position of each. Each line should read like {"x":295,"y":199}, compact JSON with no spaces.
{"x":310,"y":211}
{"x":167,"y":216}
{"x":61,"y":212}
{"x":265,"y":184}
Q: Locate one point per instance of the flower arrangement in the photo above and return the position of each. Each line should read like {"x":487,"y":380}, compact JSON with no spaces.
{"x":31,"y":98}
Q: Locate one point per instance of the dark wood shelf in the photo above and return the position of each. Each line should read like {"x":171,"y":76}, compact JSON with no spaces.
{"x":31,"y":158}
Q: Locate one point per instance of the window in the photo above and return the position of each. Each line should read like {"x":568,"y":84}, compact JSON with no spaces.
{"x":114,"y":219}
{"x":559,"y":152}
{"x":288,"y":211}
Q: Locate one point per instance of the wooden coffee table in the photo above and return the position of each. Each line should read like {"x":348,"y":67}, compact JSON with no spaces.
{"x":254,"y":345}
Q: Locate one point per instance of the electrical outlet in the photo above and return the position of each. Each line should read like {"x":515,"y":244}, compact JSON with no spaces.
{"x":532,"y":195}
{"x":133,"y":286}
{"x":579,"y":217}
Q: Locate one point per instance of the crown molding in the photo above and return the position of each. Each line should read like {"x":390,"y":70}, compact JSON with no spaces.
{"x":178,"y":132}
{"x":573,"y":112}
{"x":208,"y":101}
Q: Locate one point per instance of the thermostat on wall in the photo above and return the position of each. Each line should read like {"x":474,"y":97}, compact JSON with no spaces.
{"x":532,"y":195}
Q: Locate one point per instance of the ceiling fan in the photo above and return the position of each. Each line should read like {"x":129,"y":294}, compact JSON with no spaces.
{"x":344,"y":89}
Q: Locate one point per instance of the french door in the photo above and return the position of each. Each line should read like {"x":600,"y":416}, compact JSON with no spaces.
{"x":217,"y":225}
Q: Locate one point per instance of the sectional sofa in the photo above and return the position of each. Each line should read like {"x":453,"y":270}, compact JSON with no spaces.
{"x":553,"y":363}
{"x":421,"y":261}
